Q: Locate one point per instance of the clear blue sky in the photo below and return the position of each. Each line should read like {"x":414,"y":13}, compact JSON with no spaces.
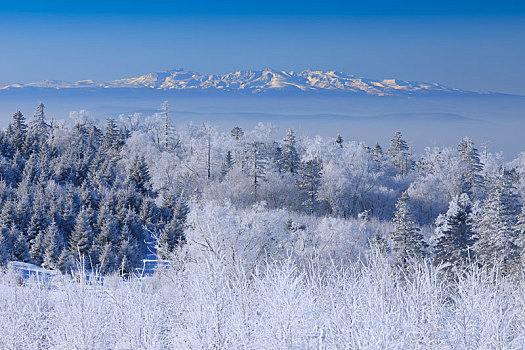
{"x":474,"y":45}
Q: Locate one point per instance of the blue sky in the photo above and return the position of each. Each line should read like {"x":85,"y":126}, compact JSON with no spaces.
{"x":473,"y":45}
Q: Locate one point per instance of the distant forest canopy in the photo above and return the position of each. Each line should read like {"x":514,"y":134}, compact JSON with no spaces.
{"x":108,"y":196}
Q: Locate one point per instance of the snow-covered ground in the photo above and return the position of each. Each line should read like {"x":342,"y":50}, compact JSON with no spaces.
{"x":211,"y":303}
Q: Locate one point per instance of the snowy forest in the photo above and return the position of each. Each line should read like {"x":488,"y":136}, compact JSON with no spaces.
{"x":301,"y":242}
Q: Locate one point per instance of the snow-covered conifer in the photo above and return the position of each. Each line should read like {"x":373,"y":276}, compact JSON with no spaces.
{"x":138,"y":175}
{"x":400,"y":155}
{"x":21,"y":246}
{"x":237,"y":133}
{"x":377,"y":157}
{"x":496,"y":227}
{"x":36,"y":250}
{"x":128,"y":252}
{"x":227,"y":165}
{"x":256,"y":166}
{"x":473,"y":180}
{"x":309,"y":183}
{"x":289,"y":157}
{"x":454,"y":233}
{"x":339,"y":140}
{"x":81,"y":238}
{"x":52,"y":245}
{"x":17,"y":131}
{"x":407,"y":241}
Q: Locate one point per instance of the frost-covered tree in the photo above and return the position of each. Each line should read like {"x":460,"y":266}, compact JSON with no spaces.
{"x":66,"y":262}
{"x":339,"y":140}
{"x":520,"y":231}
{"x":81,"y":239}
{"x":38,"y":132}
{"x":237,"y":133}
{"x":6,"y":244}
{"x":407,"y":240}
{"x":53,"y":245}
{"x":128,"y":252}
{"x":36,"y":250}
{"x":172,"y":235}
{"x":400,"y":155}
{"x":472,"y":177}
{"x":138,"y":175}
{"x":228,"y":163}
{"x":21,"y":246}
{"x":256,"y":166}
{"x":454,"y":233}
{"x":348,"y":184}
{"x":378,"y":157}
{"x":439,"y":180}
{"x":495,"y":227}
{"x":309,"y":182}
{"x":17,"y":131}
{"x":288,"y":157}
{"x":165,"y":110}
{"x":110,"y":139}
{"x":104,"y":243}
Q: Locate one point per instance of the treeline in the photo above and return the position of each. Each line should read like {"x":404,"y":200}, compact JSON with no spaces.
{"x":109,"y":196}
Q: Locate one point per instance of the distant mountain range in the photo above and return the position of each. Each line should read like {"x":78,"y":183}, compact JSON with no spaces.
{"x":254,"y":82}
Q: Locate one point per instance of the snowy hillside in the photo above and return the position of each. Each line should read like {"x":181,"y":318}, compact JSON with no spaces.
{"x":256,"y":81}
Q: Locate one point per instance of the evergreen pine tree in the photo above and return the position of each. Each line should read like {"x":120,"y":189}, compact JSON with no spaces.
{"x":180,"y":213}
{"x":38,"y":221}
{"x":472,"y":178}
{"x":496,"y":229}
{"x":309,"y":183}
{"x":81,"y":238}
{"x":131,"y":221}
{"x":138,"y":175}
{"x":147,"y":215}
{"x":104,"y":244}
{"x":107,"y":259}
{"x":377,"y":157}
{"x":399,"y":153}
{"x":256,"y":166}
{"x":172,"y":234}
{"x":6,"y":244}
{"x":110,"y":137}
{"x":8,"y":213}
{"x":6,"y":148}
{"x":455,"y":237}
{"x":38,"y":132}
{"x":17,"y":131}
{"x":165,"y":242}
{"x":520,"y":231}
{"x":4,"y":254}
{"x":339,"y":141}
{"x":227,"y":165}
{"x":36,"y":251}
{"x":129,"y":252}
{"x":237,"y":133}
{"x":407,"y":241}
{"x":65,"y":261}
{"x":21,"y":247}
{"x":289,"y":158}
{"x":53,"y":245}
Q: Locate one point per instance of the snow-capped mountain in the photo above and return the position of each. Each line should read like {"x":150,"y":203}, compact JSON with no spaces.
{"x":256,"y":81}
